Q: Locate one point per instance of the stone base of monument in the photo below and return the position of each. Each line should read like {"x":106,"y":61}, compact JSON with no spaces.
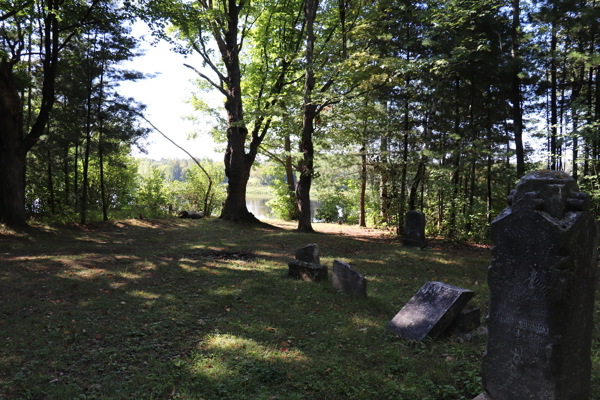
{"x":307,"y":271}
{"x":468,"y":320}
{"x":415,"y":243}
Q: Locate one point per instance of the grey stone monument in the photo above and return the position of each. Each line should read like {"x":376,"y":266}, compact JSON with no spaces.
{"x":309,"y":253}
{"x":347,"y":280}
{"x":430,"y":311}
{"x":307,"y":265}
{"x":414,"y":229}
{"x":541,"y":281}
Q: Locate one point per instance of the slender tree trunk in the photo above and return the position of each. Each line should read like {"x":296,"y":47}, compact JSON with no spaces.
{"x":383,"y":178}
{"x":363,"y":179}
{"x":290,"y":176}
{"x":516,"y":87}
{"x":310,"y":112}
{"x":76,"y":177}
{"x":50,"y":185}
{"x":455,"y":163}
{"x":102,"y":184}
{"x":405,"y":159}
{"x":553,"y":99}
{"x":419,"y":176}
{"x":66,"y":172}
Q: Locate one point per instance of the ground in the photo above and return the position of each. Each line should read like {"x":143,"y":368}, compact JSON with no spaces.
{"x":203,"y":309}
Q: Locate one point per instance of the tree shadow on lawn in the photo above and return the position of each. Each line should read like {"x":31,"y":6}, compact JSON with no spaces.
{"x":167,"y":320}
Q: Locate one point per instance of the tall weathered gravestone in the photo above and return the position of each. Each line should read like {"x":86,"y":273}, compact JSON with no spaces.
{"x":542,"y":284}
{"x":430,"y":311}
{"x":414,"y":229}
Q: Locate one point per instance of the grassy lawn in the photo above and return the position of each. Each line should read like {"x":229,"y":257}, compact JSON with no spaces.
{"x":203,"y":309}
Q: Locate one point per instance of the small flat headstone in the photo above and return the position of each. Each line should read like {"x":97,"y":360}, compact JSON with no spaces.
{"x":307,"y":271}
{"x":347,"y":280}
{"x":430,"y":311}
{"x":309,"y":253}
{"x":414,"y":229}
{"x":468,"y":320}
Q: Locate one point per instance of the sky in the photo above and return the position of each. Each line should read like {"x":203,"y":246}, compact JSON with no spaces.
{"x":164,"y":96}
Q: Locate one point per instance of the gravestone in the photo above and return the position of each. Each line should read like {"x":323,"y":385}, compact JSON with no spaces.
{"x":541,"y":293}
{"x":430,"y":311}
{"x":467,"y":320}
{"x":414,"y":229}
{"x":307,"y":265}
{"x":347,"y":280}
{"x":309,"y":253}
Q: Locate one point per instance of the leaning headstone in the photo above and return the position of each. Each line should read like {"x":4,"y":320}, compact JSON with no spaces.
{"x":307,"y":271}
{"x":414,"y":229}
{"x":430,"y":311}
{"x":309,"y":253}
{"x":347,"y":280}
{"x":541,"y":287}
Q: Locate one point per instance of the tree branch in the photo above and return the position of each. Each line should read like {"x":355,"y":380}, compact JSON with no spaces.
{"x":218,"y":87}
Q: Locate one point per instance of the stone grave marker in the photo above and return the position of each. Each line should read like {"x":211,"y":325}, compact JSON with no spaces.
{"x":467,"y":320}
{"x":347,"y":280}
{"x":307,"y":265}
{"x":414,"y":229}
{"x":309,"y":253}
{"x":429,"y":311}
{"x":541,"y":282}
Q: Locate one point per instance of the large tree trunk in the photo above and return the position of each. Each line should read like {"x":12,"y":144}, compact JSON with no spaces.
{"x":13,"y":145}
{"x":12,"y":153}
{"x":310,"y":112}
{"x":237,"y":162}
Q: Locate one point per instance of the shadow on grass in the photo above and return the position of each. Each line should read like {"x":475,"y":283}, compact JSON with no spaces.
{"x":133,"y":310}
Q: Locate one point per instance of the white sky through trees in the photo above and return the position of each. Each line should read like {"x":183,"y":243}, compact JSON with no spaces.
{"x":164,"y":96}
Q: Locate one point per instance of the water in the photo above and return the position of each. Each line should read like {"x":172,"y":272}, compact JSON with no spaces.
{"x":258,"y":206}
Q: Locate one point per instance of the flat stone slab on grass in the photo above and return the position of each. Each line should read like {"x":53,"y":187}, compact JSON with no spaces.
{"x":309,"y":253}
{"x":347,"y":280}
{"x":430,"y":311}
{"x":307,"y":271}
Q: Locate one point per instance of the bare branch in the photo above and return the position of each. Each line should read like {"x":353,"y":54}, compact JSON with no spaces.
{"x":218,"y":87}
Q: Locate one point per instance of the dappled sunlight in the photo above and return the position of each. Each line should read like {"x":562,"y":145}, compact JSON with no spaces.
{"x":143,"y":294}
{"x":244,"y":347}
{"x":188,"y":268}
{"x":363,"y":323}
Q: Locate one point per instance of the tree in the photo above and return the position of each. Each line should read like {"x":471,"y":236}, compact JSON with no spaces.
{"x":230,"y":25}
{"x":58,"y":22}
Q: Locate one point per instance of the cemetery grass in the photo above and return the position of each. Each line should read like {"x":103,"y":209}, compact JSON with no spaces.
{"x":203,"y":309}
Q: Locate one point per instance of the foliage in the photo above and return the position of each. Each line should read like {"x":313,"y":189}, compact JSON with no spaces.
{"x":151,"y":195}
{"x":283,"y":204}
{"x":189,"y":194}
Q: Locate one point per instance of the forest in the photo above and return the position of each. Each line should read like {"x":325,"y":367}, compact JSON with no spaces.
{"x":380,"y":106}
